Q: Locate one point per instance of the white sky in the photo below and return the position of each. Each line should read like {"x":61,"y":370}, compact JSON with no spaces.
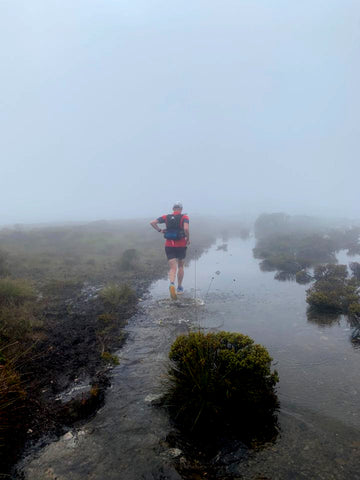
{"x":117,"y":108}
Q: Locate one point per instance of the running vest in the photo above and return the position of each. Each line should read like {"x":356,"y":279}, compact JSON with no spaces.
{"x":174,"y":227}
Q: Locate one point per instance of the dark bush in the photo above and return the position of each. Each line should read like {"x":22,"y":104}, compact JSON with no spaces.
{"x":293,"y":252}
{"x":220,"y":380}
{"x":331,"y":272}
{"x":324,"y":301}
{"x":354,"y":309}
{"x":303,"y":277}
{"x":333,"y":291}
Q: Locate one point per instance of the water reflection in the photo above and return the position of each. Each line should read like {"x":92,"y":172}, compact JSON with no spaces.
{"x":355,"y":268}
{"x":285,"y":276}
{"x":355,"y":333}
{"x":335,"y":319}
{"x":323,"y":319}
{"x":288,"y":269}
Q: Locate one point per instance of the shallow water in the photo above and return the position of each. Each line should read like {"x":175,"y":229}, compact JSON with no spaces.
{"x":317,"y":363}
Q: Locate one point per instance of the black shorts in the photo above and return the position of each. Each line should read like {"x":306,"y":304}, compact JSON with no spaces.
{"x":175,"y":252}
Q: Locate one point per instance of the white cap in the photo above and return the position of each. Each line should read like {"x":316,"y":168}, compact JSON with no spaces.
{"x":177,"y":205}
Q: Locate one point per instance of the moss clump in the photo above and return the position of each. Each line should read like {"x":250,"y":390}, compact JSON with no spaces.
{"x":220,"y":380}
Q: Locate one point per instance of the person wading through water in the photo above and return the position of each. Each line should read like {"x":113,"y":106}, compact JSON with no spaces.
{"x":177,"y":237}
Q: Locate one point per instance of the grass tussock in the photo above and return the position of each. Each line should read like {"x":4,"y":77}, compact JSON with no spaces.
{"x":15,"y":291}
{"x":12,"y":401}
{"x":220,"y":380}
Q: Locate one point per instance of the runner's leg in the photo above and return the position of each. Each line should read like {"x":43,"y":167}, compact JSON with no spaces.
{"x":172,"y":269}
{"x":180,"y":274}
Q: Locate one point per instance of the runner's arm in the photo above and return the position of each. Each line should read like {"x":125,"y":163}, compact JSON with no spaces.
{"x":187,"y":233}
{"x":154,"y":224}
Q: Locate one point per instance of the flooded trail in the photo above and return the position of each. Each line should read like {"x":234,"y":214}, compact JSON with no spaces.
{"x":126,"y":439}
{"x":317,"y":363}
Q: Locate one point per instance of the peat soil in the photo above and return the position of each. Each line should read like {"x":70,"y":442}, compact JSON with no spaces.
{"x":64,"y":375}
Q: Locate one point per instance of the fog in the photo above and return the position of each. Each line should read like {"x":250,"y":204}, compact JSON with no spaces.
{"x":116,"y":108}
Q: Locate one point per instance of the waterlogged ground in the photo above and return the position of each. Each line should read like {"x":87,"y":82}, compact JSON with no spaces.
{"x":317,"y":361}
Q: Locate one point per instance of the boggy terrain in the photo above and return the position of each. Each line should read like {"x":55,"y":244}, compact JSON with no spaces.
{"x":290,"y":246}
{"x":66,"y":293}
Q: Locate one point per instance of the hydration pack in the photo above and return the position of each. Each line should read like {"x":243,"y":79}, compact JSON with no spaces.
{"x":174,"y":227}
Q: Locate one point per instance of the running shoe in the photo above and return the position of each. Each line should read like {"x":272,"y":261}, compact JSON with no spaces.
{"x":180,"y":290}
{"x":172,"y":291}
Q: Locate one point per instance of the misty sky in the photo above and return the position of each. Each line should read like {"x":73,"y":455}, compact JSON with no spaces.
{"x":117,"y":108}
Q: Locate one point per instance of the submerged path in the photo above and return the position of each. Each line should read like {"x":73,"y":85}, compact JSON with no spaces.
{"x":127,"y":438}
{"x":319,"y":383}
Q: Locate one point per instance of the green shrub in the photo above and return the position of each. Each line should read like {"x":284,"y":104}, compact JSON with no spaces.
{"x":303,"y":277}
{"x":116,"y":296}
{"x":324,"y":301}
{"x":291,"y":250}
{"x":354,"y":309}
{"x":110,"y":358}
{"x":333,"y":291}
{"x":220,"y":380}
{"x":330,"y":272}
{"x":15,"y":291}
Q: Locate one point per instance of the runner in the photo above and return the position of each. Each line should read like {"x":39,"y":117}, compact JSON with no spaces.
{"x":177,"y":239}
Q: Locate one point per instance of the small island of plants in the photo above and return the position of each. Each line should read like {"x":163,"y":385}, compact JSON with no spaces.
{"x":290,"y":245}
{"x":221,"y":382}
{"x":334,"y":290}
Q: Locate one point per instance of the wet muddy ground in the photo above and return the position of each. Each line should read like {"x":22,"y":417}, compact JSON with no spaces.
{"x":64,"y":375}
{"x":128,"y":434}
